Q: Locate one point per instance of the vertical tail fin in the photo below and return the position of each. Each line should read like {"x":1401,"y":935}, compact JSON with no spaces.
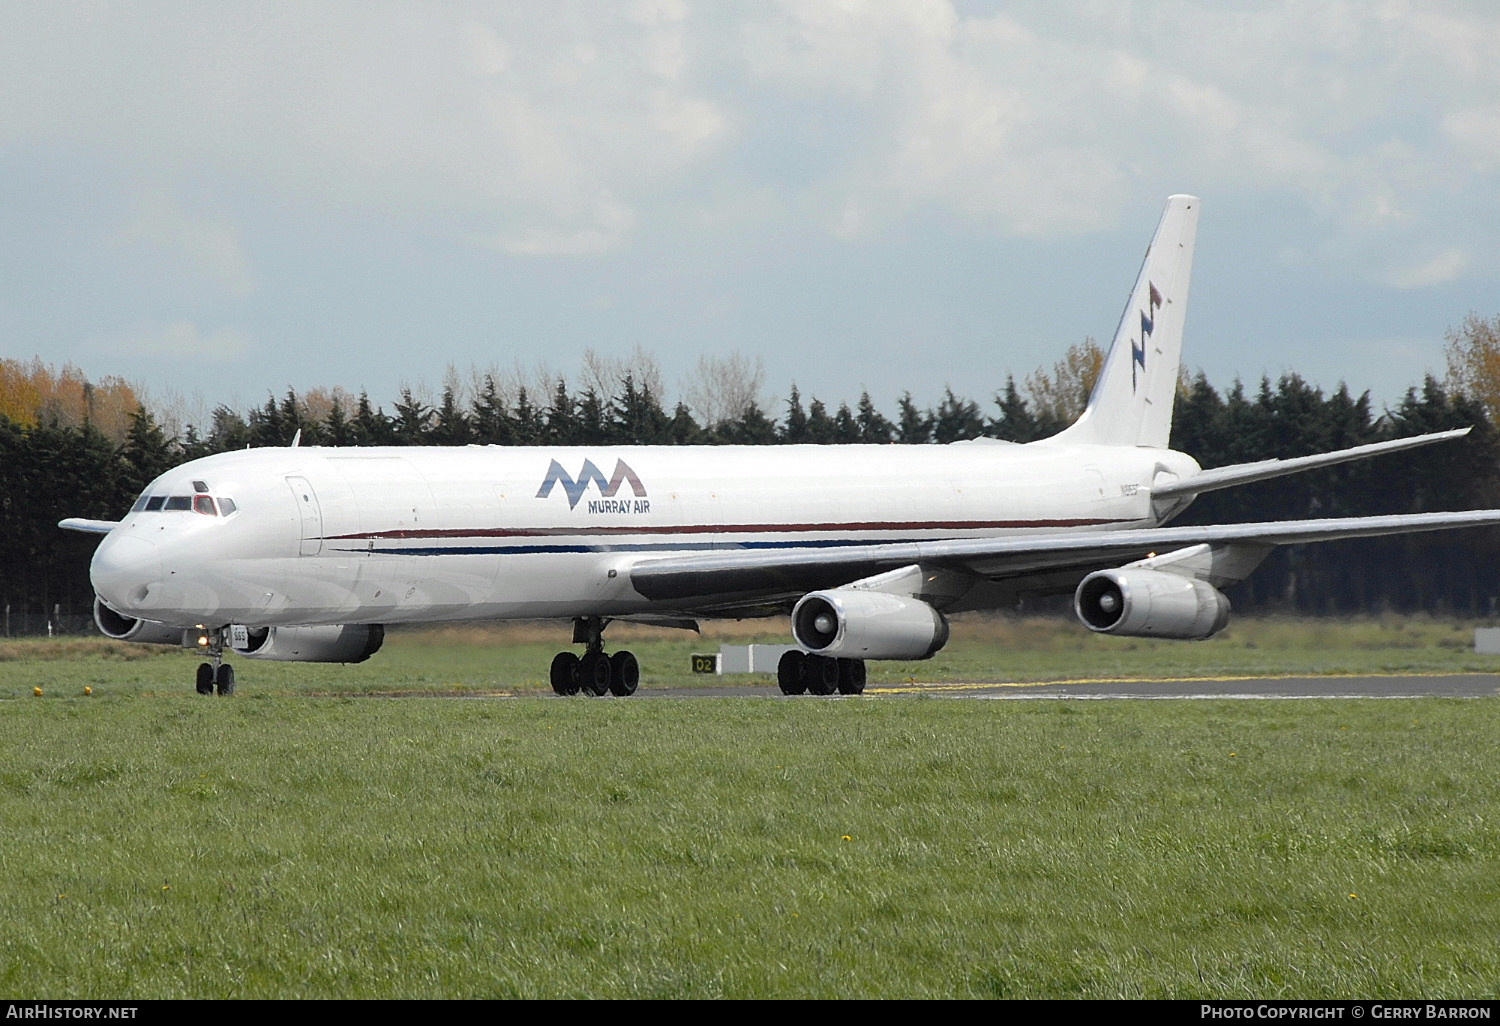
{"x":1132,"y":401}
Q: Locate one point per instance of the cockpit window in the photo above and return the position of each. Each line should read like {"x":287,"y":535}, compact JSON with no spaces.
{"x":199,"y":502}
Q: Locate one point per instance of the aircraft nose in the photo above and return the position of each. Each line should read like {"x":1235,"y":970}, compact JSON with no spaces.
{"x":122,"y":570}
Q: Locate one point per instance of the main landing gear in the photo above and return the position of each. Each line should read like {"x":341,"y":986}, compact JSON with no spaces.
{"x":799,"y":672}
{"x":216,"y":675}
{"x":594,"y":672}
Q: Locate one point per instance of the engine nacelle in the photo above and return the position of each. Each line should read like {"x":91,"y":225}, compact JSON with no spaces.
{"x":867,"y":625}
{"x":128,"y":628}
{"x":1150,"y":604}
{"x":337,"y":643}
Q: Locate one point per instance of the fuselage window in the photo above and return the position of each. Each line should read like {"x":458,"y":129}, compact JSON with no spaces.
{"x":204,"y":504}
{"x":178,"y":502}
{"x":227,"y":506}
{"x":154,"y":503}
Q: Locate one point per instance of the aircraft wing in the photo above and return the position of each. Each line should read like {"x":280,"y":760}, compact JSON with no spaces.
{"x":723,"y":578}
{"x":88,"y":526}
{"x":1264,"y":470}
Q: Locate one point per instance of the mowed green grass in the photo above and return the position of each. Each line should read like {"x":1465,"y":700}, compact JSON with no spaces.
{"x":284,"y":844}
{"x":513,"y":659}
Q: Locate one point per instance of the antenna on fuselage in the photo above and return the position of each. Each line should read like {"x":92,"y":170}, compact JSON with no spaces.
{"x":297,"y":438}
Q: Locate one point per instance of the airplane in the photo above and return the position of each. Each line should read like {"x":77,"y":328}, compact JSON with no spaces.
{"x":307,"y":553}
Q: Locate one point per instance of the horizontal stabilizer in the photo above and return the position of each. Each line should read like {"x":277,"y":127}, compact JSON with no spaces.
{"x":1264,"y":470}
{"x":88,"y":526}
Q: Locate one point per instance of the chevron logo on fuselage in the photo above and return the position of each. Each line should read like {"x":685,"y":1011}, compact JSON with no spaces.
{"x":590,"y":475}
{"x":1148,"y":324}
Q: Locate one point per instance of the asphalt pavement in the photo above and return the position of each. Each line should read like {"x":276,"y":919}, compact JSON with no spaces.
{"x":1462,"y":685}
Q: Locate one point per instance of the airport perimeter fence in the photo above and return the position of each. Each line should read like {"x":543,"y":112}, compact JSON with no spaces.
{"x":16,"y":623}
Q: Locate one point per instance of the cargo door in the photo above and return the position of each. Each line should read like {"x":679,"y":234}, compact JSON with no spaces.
{"x":311,"y":515}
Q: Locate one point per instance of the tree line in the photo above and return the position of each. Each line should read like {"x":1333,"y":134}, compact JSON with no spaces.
{"x":58,"y":465}
{"x":635,"y":415}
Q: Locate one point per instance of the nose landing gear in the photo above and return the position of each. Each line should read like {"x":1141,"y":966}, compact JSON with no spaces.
{"x":215,"y":675}
{"x":594,"y":672}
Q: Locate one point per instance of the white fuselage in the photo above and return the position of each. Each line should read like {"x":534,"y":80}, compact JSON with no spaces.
{"x":391,"y":535}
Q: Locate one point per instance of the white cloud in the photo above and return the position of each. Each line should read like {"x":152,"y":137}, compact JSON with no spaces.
{"x":488,"y":54}
{"x":947,"y":113}
{"x":184,"y":340}
{"x":209,"y":245}
{"x":1464,"y":39}
{"x":501,"y":115}
{"x":665,"y":41}
{"x":853,"y":222}
{"x":836,"y":49}
{"x":608,"y":224}
{"x":1477,"y":130}
{"x":688,"y":122}
{"x":1437,"y":270}
{"x":514,"y":118}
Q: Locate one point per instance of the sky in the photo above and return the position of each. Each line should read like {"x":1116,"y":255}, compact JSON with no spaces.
{"x":219,"y":201}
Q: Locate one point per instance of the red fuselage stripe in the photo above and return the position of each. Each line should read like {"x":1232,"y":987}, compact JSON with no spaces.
{"x":549,"y":532}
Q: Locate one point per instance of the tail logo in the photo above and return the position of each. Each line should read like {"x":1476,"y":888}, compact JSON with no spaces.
{"x":590,"y":475}
{"x":1148,"y":323}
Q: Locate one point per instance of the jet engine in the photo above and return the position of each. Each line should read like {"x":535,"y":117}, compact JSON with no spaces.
{"x":1150,"y":604}
{"x":128,"y":628}
{"x":856,"y":624}
{"x":337,"y":643}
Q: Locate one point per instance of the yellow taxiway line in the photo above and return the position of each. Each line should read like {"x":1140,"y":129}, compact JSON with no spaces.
{"x":913,"y":685}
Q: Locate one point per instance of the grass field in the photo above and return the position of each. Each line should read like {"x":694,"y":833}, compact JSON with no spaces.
{"x":284,"y":844}
{"x":513,"y":659}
